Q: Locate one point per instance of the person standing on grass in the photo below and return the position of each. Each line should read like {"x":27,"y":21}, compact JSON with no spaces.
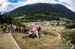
{"x":4,"y":30}
{"x":14,"y":28}
{"x":73,"y":42}
{"x":39,"y":31}
{"x":0,"y":27}
{"x":17,"y":28}
{"x":4,"y":27}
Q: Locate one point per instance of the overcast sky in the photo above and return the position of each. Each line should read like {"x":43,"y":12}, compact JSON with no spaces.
{"x":8,"y":5}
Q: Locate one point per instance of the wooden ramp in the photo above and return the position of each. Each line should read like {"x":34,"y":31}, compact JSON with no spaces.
{"x":8,"y":42}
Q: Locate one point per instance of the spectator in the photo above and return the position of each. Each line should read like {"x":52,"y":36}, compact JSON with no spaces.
{"x":14,"y":28}
{"x":73,"y":42}
{"x":39,"y":31}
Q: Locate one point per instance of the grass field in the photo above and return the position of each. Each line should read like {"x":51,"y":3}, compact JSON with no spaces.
{"x":44,"y":42}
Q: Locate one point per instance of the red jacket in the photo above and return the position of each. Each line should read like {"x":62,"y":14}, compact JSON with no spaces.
{"x":33,"y":30}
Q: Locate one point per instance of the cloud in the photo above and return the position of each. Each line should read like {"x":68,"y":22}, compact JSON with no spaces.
{"x":71,"y":6}
{"x":1,"y":1}
{"x":68,"y":3}
{"x":6,"y":6}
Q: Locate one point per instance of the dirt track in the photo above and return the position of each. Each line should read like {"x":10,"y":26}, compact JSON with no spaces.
{"x":6,"y":42}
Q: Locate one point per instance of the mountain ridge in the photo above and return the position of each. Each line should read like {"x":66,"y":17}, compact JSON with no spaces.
{"x":43,"y":8}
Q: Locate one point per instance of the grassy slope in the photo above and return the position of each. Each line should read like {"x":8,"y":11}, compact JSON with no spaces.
{"x":45,"y":42}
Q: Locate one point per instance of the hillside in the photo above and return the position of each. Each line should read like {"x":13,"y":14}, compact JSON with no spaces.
{"x":43,"y":9}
